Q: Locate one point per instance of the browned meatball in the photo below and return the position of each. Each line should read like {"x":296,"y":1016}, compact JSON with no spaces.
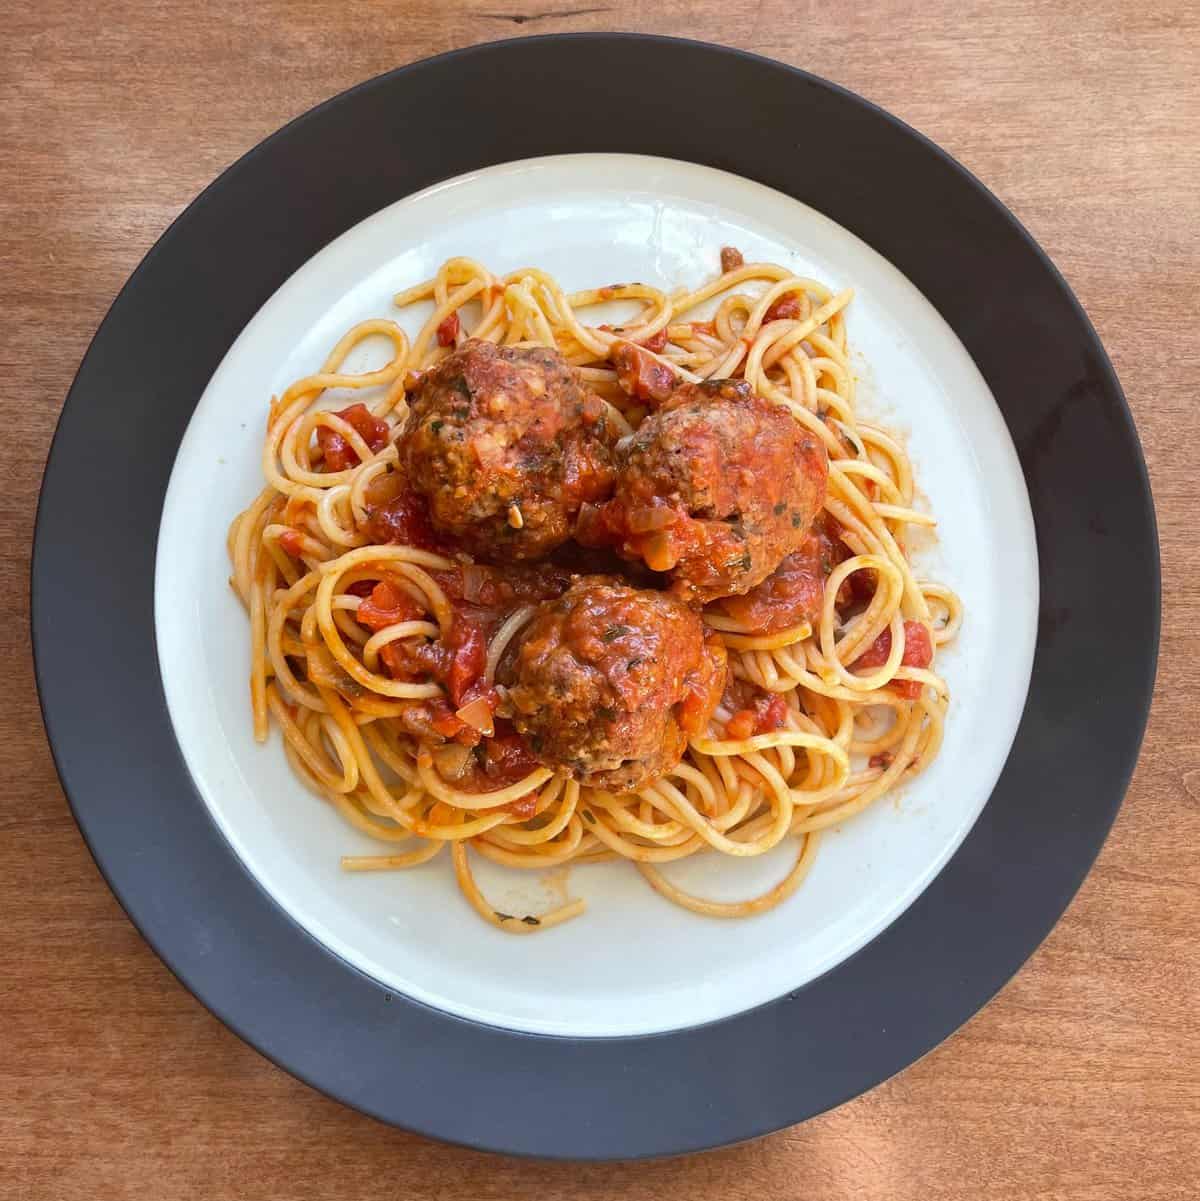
{"x":505,"y":445}
{"x":609,"y":681}
{"x":715,"y":488}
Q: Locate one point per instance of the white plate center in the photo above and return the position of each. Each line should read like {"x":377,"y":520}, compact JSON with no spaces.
{"x":633,"y":963}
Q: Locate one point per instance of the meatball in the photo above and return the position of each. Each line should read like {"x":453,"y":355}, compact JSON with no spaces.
{"x":608,"y":682}
{"x":715,"y":489}
{"x":505,"y":445}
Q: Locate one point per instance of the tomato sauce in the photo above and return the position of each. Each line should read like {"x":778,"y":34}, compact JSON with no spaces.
{"x":398,"y":516}
{"x":339,"y":454}
{"x":785,"y":308}
{"x":501,"y":761}
{"x":767,"y":713}
{"x":455,"y":660}
{"x":795,"y":591}
{"x":918,"y":652}
{"x":386,"y":605}
{"x":641,"y":375}
{"x":481,"y":597}
{"x":292,"y":542}
{"x":447,"y":330}
{"x":507,"y":759}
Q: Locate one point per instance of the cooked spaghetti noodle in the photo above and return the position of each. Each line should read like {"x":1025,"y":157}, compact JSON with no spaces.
{"x":856,"y":705}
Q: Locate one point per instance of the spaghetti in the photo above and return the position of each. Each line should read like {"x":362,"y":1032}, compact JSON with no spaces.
{"x":822,"y":718}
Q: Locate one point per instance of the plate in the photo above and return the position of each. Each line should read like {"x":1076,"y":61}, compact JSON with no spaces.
{"x":385,"y":990}
{"x":664,"y":223}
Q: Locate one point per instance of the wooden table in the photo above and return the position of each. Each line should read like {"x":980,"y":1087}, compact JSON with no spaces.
{"x":1082,"y":1080}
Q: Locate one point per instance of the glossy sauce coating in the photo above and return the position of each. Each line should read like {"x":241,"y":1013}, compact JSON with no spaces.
{"x":795,"y":590}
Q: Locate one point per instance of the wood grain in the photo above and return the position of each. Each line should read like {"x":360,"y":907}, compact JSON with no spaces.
{"x":1082,"y":1080}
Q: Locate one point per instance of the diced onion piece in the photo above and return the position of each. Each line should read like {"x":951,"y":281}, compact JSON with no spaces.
{"x":741,"y":725}
{"x":381,"y":488}
{"x":453,"y":761}
{"x":323,"y":670}
{"x":647,"y":520}
{"x":659,"y":553}
{"x":478,"y":715}
{"x":474,"y":579}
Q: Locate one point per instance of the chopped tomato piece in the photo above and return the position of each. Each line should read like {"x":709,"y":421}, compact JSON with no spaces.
{"x":741,"y":724}
{"x":402,"y":519}
{"x":785,"y":308}
{"x":641,"y":375}
{"x":600,"y":525}
{"x":918,"y":646}
{"x":771,"y":712}
{"x":339,"y":454}
{"x":468,"y":656}
{"x":918,"y":652}
{"x":386,"y":605}
{"x":657,"y":342}
{"x":457,"y":660}
{"x":373,"y":430}
{"x":860,"y":586}
{"x":507,"y":759}
{"x":883,"y":759}
{"x":447,"y":330}
{"x":449,"y":726}
{"x":692,"y":710}
{"x":479,"y":690}
{"x":876,"y":655}
{"x":444,"y":721}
